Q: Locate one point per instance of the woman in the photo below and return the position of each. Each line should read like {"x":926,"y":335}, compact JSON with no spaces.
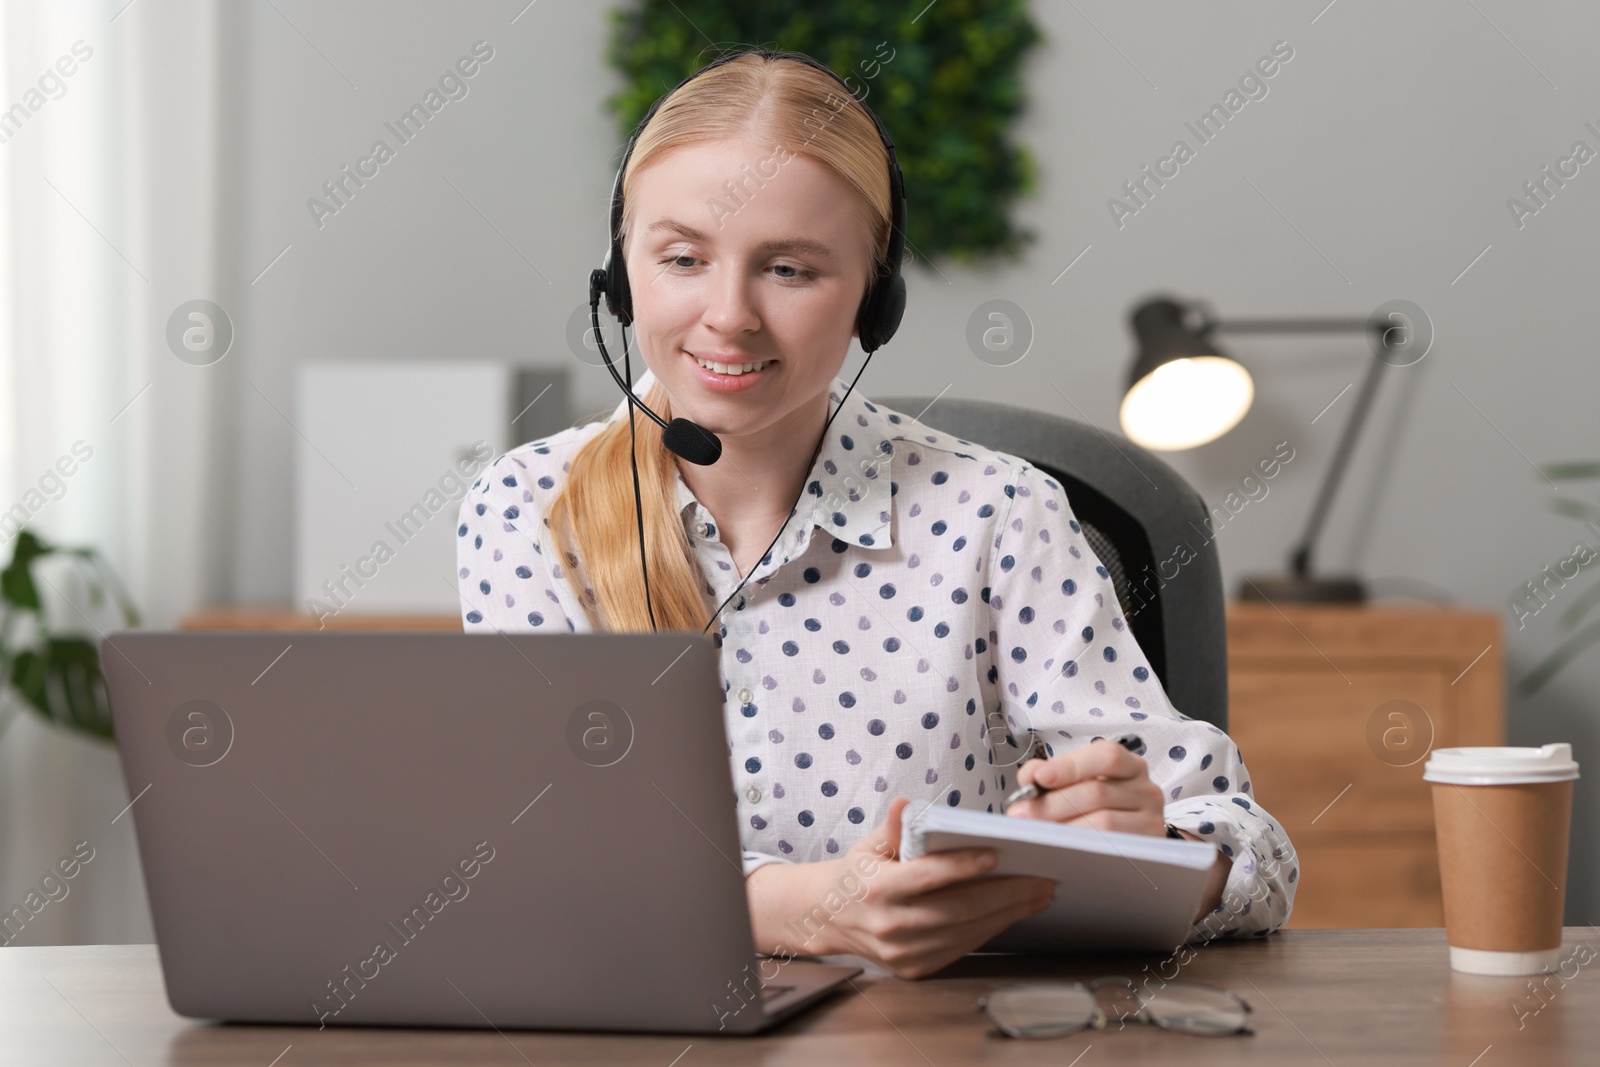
{"x":925,"y":589}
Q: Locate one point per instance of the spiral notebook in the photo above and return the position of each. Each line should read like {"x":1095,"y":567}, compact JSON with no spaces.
{"x":1114,"y":890}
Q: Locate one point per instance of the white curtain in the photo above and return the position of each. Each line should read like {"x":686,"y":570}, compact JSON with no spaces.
{"x":109,"y":210}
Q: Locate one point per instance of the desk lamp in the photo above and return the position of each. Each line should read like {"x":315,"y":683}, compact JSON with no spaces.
{"x":1184,"y":391}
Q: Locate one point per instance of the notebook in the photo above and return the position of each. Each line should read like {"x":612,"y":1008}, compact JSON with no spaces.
{"x":1115,"y":891}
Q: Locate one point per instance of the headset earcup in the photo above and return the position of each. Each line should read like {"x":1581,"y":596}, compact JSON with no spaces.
{"x":894,"y":307}
{"x":880,"y":315}
{"x":619,"y":297}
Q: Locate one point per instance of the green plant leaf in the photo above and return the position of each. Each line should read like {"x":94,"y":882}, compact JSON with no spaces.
{"x":16,"y":581}
{"x":64,"y":684}
{"x":948,"y":93}
{"x":58,"y":676}
{"x":109,"y":577}
{"x":1580,"y":607}
{"x":1570,"y":649}
{"x":1582,"y":469}
{"x":1576,"y":509}
{"x":1578,"y":642}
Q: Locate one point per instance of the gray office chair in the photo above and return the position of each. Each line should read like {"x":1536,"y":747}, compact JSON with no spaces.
{"x":1136,"y":512}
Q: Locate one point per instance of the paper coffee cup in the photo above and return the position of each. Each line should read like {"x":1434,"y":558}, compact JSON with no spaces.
{"x":1502,"y":817}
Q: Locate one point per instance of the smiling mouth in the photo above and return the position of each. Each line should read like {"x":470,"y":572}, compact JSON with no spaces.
{"x":732,"y":369}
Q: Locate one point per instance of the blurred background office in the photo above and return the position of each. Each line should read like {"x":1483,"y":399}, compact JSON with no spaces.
{"x":254,"y":341}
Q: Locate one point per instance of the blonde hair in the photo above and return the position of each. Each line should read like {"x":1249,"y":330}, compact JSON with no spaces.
{"x":773,"y":100}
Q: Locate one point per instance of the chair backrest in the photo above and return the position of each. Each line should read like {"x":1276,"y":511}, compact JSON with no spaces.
{"x":1149,"y":527}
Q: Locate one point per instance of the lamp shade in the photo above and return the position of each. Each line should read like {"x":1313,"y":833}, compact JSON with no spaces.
{"x":1182,"y":391}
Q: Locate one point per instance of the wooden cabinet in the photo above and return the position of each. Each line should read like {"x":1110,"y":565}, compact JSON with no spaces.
{"x":1335,"y":709}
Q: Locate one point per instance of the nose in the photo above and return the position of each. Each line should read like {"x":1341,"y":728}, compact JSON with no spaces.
{"x":729,"y":309}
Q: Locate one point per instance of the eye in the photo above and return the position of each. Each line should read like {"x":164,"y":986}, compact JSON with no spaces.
{"x":676,"y":265}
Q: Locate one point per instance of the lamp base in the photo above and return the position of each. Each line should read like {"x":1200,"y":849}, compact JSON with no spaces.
{"x":1279,"y":588}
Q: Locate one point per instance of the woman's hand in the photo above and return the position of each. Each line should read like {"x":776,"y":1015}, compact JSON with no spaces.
{"x":1106,"y":786}
{"x":913,"y":917}
{"x":1102,"y":785}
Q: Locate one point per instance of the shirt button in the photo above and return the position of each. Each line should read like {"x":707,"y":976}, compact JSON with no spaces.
{"x":753,"y":794}
{"x":744,"y":695}
{"x":700,"y":529}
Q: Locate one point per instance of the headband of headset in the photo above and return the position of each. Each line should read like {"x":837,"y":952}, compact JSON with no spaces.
{"x":884,"y":302}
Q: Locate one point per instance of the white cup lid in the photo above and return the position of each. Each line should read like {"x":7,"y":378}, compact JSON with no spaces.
{"x":1501,"y":765}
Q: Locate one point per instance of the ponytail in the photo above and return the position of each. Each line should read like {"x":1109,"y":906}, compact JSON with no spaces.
{"x":593,"y":515}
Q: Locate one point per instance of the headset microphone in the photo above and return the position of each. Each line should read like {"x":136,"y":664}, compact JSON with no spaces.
{"x":683,"y":438}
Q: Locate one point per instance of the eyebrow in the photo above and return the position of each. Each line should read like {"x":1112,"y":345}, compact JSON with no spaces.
{"x":782,"y":244}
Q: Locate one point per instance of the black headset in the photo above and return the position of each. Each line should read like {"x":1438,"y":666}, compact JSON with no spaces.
{"x":877,"y":318}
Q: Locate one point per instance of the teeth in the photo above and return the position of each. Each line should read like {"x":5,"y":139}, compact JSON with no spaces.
{"x":731,"y":368}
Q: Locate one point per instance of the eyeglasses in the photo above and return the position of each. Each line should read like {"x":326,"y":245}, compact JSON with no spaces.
{"x":1052,"y":1009}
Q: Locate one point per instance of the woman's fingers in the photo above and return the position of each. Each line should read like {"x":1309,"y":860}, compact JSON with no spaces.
{"x":936,"y":907}
{"x":971,"y":901}
{"x":898,"y":880}
{"x":912,"y":878}
{"x":1079,"y":799}
{"x":1098,"y":759}
{"x":918,"y":949}
{"x":883,"y":840}
{"x":1152,"y":824}
{"x":1108,"y":787}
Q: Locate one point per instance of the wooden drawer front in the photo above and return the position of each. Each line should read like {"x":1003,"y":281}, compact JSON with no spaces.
{"x":1308,"y":740}
{"x":1367,"y":881}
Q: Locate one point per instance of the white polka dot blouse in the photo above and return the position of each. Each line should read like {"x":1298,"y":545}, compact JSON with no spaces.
{"x":931,"y":610}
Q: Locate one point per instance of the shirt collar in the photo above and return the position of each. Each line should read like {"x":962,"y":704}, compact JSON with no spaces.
{"x":847,"y":492}
{"x":848,"y":487}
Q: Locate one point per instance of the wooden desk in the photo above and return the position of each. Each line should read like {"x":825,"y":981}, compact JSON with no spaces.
{"x":1369,"y":997}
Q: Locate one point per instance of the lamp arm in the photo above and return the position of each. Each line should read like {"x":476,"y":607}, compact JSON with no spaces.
{"x":1286,"y":325}
{"x":1300,"y":557}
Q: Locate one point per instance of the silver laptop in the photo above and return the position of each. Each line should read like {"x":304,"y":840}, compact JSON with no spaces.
{"x":518,"y":830}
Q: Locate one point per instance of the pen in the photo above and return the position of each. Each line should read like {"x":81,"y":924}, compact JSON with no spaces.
{"x":1131,"y":742}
